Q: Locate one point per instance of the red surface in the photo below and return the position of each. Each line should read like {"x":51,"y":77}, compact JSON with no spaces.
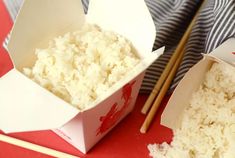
{"x":124,"y":140}
{"x":5,"y":27}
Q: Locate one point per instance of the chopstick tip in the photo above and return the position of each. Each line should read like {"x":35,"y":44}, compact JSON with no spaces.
{"x":144,"y":111}
{"x":142,"y":130}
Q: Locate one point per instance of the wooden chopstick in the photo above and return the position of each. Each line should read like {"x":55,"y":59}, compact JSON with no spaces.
{"x":161,"y":95}
{"x":163,"y":76}
{"x":34,"y":147}
{"x":173,"y":61}
{"x":169,"y":65}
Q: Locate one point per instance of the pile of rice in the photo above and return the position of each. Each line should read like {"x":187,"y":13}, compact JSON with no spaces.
{"x":81,"y":66}
{"x":208,"y":126}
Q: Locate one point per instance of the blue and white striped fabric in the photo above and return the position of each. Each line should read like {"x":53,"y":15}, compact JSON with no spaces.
{"x":215,"y":24}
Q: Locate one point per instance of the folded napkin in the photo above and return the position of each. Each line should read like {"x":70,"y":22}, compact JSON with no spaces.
{"x":214,"y":25}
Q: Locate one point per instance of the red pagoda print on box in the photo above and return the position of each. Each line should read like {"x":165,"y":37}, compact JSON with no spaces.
{"x":114,"y":114}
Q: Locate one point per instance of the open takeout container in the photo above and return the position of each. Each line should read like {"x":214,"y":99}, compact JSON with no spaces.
{"x":172,"y":115}
{"x":26,"y":106}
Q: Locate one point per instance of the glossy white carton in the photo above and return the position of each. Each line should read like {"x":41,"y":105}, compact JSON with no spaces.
{"x":26,"y":106}
{"x":172,"y":115}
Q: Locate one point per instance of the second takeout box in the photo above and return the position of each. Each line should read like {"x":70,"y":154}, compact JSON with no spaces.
{"x":26,"y":106}
{"x":180,"y":99}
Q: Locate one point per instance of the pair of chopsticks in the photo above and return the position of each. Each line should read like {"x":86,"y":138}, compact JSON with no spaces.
{"x":166,"y":78}
{"x":34,"y":147}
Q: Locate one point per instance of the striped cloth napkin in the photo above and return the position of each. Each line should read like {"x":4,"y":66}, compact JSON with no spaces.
{"x":215,"y":24}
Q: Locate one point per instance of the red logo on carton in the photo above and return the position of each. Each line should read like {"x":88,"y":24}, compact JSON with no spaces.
{"x":114,"y":114}
{"x":233,"y":53}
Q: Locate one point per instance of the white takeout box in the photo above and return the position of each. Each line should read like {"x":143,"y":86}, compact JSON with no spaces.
{"x":179,"y":100}
{"x":26,"y":106}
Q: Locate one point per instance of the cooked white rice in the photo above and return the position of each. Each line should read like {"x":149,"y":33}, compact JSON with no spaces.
{"x":208,"y":126}
{"x":81,"y":66}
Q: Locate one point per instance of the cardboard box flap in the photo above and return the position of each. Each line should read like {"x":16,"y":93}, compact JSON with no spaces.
{"x":38,"y":22}
{"x":151,"y":57}
{"x":25,"y":106}
{"x":171,"y":116}
{"x":129,"y":18}
{"x":226,"y":51}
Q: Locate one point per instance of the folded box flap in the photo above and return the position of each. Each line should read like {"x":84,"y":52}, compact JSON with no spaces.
{"x":226,"y":51}
{"x":129,"y":18}
{"x":40,"y":21}
{"x":172,"y":114}
{"x":148,"y":60}
{"x":25,"y":106}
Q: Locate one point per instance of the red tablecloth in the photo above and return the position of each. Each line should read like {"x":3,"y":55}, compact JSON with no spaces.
{"x":124,"y":140}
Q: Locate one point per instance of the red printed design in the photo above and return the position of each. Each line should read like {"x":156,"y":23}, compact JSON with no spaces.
{"x":233,"y":53}
{"x":114,"y":114}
